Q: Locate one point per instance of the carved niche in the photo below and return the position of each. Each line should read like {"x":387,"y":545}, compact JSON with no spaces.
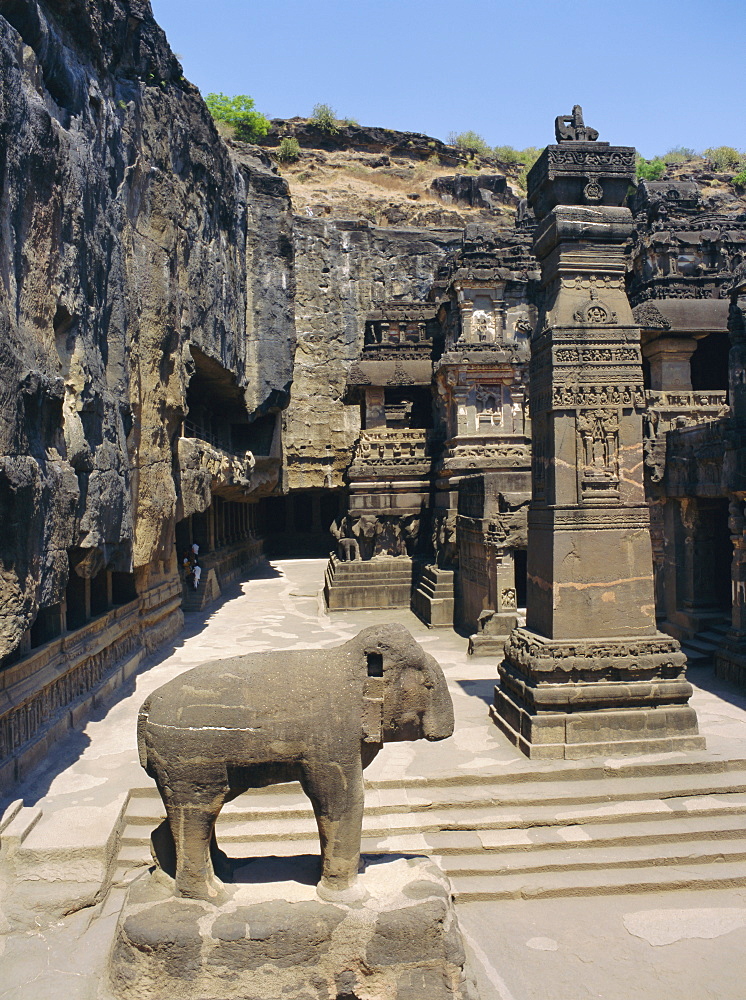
{"x":598,"y":453}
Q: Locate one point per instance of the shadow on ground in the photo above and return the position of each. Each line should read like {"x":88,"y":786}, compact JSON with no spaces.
{"x":483,"y":689}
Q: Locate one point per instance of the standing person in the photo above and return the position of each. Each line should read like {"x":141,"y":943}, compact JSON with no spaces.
{"x":195,"y":549}
{"x":197,"y":573}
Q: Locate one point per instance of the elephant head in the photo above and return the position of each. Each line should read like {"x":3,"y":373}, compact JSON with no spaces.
{"x":405,"y":695}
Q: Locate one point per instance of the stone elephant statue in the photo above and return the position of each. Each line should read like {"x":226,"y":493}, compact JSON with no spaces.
{"x":316,"y":716}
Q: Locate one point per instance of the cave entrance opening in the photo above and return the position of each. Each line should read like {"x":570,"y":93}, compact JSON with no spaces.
{"x":299,"y":524}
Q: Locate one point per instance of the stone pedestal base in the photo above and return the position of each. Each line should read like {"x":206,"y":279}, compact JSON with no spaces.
{"x":383,"y":582}
{"x":432,"y":601}
{"x":278,"y":939}
{"x":579,"y":698}
{"x":493,"y":628}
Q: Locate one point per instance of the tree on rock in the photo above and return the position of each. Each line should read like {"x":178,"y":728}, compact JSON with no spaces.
{"x":239,"y":113}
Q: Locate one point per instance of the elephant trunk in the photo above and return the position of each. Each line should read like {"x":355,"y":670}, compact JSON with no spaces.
{"x":438,"y":721}
{"x":142,"y":721}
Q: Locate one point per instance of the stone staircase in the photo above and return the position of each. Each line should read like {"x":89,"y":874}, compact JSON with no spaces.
{"x":587,"y":830}
{"x":700,"y":649}
{"x":383,"y":582}
{"x":194,"y":596}
{"x":197,"y":598}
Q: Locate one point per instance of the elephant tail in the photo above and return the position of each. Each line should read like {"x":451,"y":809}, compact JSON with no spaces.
{"x":142,"y":721}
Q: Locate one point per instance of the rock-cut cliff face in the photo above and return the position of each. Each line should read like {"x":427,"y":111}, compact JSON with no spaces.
{"x":129,"y":232}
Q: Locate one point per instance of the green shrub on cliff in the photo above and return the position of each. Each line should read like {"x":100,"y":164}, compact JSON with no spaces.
{"x":739,"y":181}
{"x":679,"y":154}
{"x":324,"y":117}
{"x":724,"y":158}
{"x":238,"y":112}
{"x":507,"y":154}
{"x":650,"y":170}
{"x":289,"y":150}
{"x":472,"y":142}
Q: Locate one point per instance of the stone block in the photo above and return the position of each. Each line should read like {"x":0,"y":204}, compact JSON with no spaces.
{"x":272,"y":939}
{"x":493,"y":628}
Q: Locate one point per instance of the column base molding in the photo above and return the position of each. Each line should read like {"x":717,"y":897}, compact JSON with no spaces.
{"x":573,"y":698}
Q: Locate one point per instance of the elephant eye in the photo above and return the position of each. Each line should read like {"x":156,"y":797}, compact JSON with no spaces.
{"x":375,"y":665}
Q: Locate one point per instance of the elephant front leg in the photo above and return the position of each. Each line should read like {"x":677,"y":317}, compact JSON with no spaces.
{"x":192,"y":825}
{"x":337,"y":797}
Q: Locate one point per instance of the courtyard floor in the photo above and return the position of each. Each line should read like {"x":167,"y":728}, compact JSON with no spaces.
{"x":657,"y":946}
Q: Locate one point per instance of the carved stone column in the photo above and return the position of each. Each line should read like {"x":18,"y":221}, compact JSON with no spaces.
{"x":589,"y":674}
{"x":670,"y":362}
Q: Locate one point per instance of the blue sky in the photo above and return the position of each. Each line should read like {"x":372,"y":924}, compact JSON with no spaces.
{"x":653,"y":74}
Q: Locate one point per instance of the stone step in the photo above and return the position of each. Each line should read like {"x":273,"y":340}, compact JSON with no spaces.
{"x":695,"y":657}
{"x":654,"y":878}
{"x":517,"y":839}
{"x":17,"y":823}
{"x":260,"y":807}
{"x":572,"y":871}
{"x":537,"y":772}
{"x":533,"y":858}
{"x":698,"y":645}
{"x":583,"y":858}
{"x":713,"y":636}
{"x":297,"y":827}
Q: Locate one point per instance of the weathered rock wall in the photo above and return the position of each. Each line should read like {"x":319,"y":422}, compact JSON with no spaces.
{"x":128,"y":230}
{"x":344,"y":270}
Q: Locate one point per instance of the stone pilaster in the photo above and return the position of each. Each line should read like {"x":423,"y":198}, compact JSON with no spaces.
{"x":589,"y":673}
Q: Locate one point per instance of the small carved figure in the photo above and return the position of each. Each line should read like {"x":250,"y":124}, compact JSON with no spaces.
{"x":315,"y":716}
{"x":571,"y":128}
{"x":364,"y":530}
{"x":349,"y":550}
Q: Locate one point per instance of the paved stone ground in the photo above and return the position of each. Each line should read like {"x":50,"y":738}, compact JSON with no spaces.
{"x":629,"y":947}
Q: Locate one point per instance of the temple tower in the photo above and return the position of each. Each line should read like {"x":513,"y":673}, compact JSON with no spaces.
{"x":589,"y":674}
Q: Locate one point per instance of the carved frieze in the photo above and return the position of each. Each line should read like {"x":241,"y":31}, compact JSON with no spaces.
{"x":650,"y":318}
{"x":575,"y":518}
{"x":573,"y":395}
{"x":595,"y":355}
{"x":394,"y":447}
{"x":581,"y":659}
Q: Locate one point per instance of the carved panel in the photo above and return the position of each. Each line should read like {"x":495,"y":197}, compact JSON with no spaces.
{"x":598,"y":453}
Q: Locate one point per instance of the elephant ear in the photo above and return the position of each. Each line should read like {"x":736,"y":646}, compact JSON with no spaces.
{"x":373,"y":700}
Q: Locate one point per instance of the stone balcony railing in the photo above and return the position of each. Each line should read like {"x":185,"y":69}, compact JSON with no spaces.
{"x":392,"y":447}
{"x":478,"y":451}
{"x":669,"y":411}
{"x":207,"y":469}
